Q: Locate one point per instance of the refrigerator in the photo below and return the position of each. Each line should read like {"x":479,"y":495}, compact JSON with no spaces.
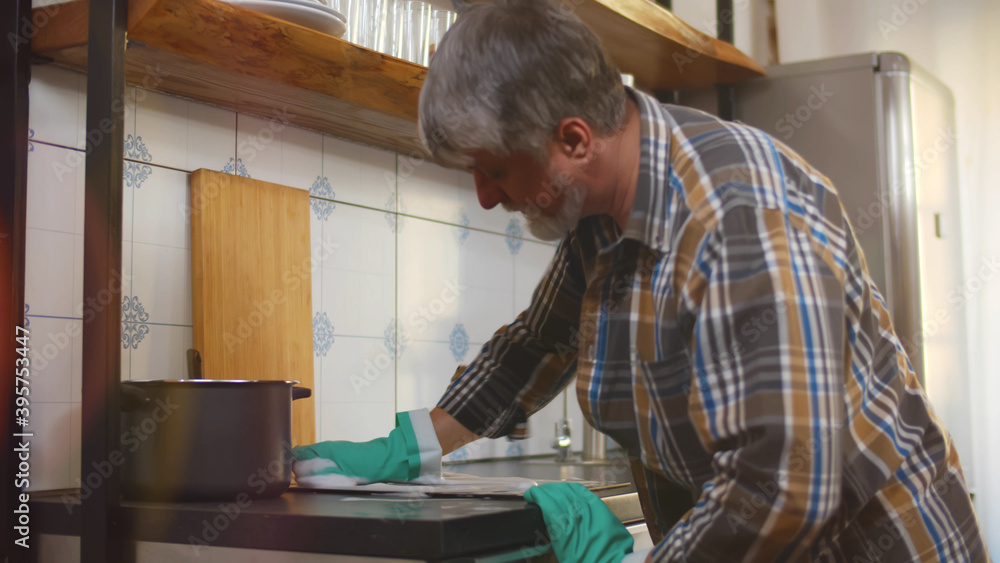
{"x":882,"y":129}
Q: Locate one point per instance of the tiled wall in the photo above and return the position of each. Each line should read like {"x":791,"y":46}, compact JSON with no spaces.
{"x":418,"y":279}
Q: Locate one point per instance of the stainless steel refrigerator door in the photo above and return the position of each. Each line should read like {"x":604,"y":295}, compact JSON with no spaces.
{"x":943,"y":334}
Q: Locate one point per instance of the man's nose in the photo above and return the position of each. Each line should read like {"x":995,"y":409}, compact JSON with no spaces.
{"x":489,"y":192}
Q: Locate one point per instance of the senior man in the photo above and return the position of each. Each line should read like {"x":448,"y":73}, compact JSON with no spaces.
{"x":711,"y":301}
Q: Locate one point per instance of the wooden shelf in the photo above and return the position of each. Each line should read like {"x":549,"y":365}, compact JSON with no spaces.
{"x":250,"y":62}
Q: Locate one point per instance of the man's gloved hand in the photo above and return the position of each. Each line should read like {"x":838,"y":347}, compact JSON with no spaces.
{"x":411,"y":450}
{"x":581,"y":527}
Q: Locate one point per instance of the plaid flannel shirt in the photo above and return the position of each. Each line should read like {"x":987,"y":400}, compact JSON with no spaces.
{"x":732,"y":340}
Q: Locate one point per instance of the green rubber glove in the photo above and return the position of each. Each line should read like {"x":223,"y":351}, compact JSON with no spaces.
{"x":581,"y":527}
{"x":394,"y":458}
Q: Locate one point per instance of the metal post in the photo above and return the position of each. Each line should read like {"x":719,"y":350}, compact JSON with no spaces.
{"x":724,"y":17}
{"x":100,"y":540}
{"x":14,"y":16}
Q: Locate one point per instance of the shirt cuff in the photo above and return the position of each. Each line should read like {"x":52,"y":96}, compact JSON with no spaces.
{"x":428,"y":447}
{"x":637,"y":556}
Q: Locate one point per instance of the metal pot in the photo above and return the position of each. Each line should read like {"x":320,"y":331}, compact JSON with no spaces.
{"x":207,"y":439}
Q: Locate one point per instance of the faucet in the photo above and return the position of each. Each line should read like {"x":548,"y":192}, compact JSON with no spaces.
{"x":594,"y":444}
{"x":563,"y":444}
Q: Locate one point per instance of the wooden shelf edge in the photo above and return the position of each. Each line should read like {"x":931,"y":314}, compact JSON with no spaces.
{"x":240,"y":59}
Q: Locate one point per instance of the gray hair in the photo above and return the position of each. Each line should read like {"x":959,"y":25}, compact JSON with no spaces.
{"x":504,"y":76}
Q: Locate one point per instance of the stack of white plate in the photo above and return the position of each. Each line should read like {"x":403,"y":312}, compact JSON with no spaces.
{"x":314,"y":14}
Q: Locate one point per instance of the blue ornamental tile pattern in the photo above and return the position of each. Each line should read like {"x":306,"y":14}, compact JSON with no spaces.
{"x":31,"y":135}
{"x":321,"y":189}
{"x":514,"y":233}
{"x":322,"y":334}
{"x":461,"y":454}
{"x":135,"y":149}
{"x":136,"y":174}
{"x":394,"y":220}
{"x":134,"y":319}
{"x":27,"y":321}
{"x":459,"y":342}
{"x":392,"y":342}
{"x":236,"y":166}
{"x":462,"y":234}
{"x":514,"y":449}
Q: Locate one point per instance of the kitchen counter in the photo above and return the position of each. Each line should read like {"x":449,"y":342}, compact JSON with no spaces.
{"x":349,"y":524}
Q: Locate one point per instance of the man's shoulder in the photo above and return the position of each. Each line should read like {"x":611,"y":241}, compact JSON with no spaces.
{"x":719,"y":165}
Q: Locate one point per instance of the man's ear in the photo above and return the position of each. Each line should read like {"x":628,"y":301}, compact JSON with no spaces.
{"x":575,"y":139}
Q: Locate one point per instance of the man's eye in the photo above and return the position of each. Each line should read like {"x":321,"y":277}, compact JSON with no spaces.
{"x":496,"y":174}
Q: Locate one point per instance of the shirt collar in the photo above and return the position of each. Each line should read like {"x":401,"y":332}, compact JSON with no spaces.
{"x":651,"y":205}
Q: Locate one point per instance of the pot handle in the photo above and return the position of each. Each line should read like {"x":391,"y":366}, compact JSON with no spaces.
{"x":301,"y":392}
{"x":133,"y":399}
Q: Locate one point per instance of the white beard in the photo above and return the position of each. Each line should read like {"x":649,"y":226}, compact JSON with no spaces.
{"x":554,"y":228}
{"x":551,"y":228}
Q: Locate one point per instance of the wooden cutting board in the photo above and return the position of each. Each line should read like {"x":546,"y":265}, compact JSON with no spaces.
{"x":250,"y":252}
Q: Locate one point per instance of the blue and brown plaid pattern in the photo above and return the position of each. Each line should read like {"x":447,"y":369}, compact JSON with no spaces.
{"x":732,"y":340}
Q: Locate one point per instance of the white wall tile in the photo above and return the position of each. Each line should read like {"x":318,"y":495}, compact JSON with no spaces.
{"x":211,"y":137}
{"x":486,"y":271}
{"x":159,"y":203}
{"x":494,"y":220}
{"x":161,"y":281}
{"x":183,"y":134}
{"x":360,"y":174}
{"x":357,"y":287}
{"x":161,"y":126}
{"x":56,"y":97}
{"x":317,"y":388}
{"x":53,"y":342}
{"x":276,"y":152}
{"x":301,"y":157}
{"x":428,"y":279}
{"x":358,"y":303}
{"x":162,"y":353}
{"x":530,"y":264}
{"x":429,"y":191}
{"x":55,"y":190}
{"x":424,"y":370}
{"x":357,"y":422}
{"x":49,"y":273}
{"x":360,"y":239}
{"x":53,"y":424}
{"x":359,"y":370}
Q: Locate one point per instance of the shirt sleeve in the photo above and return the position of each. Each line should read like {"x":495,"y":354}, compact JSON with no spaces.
{"x":766,"y":390}
{"x":528,"y":362}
